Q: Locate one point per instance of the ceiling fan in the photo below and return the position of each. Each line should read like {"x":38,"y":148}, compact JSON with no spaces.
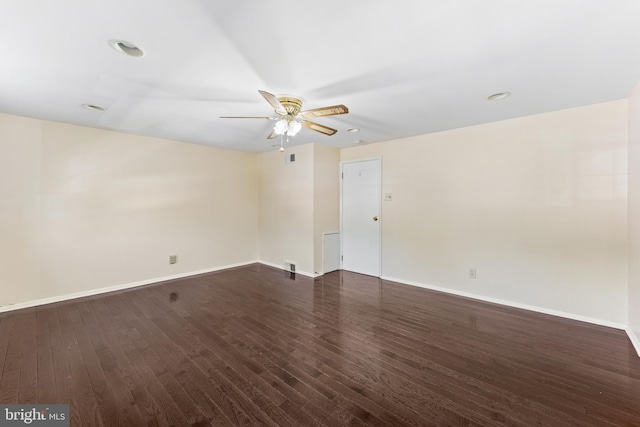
{"x":291,"y":118}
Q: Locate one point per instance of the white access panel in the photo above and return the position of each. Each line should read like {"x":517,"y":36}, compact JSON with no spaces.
{"x":330,"y":252}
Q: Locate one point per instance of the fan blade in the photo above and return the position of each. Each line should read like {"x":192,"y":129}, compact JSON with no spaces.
{"x":334,"y":110}
{"x":247,"y":117}
{"x":271,"y":99}
{"x":272,"y":135}
{"x":319,"y":128}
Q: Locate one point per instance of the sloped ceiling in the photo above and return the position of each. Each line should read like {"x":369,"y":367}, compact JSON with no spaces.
{"x":403,"y":68}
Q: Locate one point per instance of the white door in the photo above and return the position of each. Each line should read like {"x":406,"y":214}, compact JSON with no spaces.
{"x":361,"y":188}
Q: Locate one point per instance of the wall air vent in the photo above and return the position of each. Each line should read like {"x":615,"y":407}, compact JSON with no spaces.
{"x":290,"y":158}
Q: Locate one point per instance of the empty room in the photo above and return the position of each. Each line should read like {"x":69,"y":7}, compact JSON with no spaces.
{"x":411,"y":213}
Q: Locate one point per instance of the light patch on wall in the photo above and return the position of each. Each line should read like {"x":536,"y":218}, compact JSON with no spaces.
{"x":557,"y":157}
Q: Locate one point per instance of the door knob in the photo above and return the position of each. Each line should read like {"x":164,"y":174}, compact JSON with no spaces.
{"x":375,"y":218}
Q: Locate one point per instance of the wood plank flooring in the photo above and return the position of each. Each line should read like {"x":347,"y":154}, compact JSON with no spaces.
{"x":256,"y":346}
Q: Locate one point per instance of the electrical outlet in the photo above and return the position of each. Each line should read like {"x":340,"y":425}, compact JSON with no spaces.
{"x":173,"y":259}
{"x":472,"y":273}
{"x":388,"y":197}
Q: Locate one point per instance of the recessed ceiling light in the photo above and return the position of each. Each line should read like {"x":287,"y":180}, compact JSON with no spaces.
{"x":499,"y":95}
{"x":93,"y":107}
{"x":353,"y":130}
{"x":126,"y":47}
{"x":358,"y":141}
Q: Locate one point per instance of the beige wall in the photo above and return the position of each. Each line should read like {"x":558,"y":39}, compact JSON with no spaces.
{"x":286,"y":208}
{"x":115,"y":206}
{"x":298,"y":203}
{"x":634,"y":214}
{"x":326,"y":197}
{"x":20,"y":221}
{"x":537,"y":205}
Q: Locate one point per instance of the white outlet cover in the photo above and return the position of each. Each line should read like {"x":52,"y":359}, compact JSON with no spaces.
{"x":388,"y":197}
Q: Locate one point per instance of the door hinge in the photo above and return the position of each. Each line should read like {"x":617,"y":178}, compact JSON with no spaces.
{"x":341,"y":257}
{"x":342,"y":175}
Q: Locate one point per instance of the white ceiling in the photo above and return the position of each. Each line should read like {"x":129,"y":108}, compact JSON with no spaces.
{"x":403,"y":68}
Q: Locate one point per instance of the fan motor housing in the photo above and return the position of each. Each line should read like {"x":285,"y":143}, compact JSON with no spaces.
{"x":292,"y":105}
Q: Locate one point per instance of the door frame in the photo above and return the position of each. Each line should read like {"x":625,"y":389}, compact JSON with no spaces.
{"x":380,"y":217}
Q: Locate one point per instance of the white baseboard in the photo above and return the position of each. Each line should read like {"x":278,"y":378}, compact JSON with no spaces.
{"x":537,"y":309}
{"x":280,"y":267}
{"x":634,"y":339}
{"x":98,"y":291}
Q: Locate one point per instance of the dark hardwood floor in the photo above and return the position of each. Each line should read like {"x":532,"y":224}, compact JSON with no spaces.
{"x":252,"y":346}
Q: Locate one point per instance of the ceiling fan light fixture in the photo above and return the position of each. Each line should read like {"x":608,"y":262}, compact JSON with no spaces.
{"x":294,"y":128}
{"x":292,"y":119}
{"x":281,"y":127}
{"x":289,"y":127}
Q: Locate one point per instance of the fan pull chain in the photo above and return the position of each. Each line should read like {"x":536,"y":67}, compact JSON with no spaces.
{"x":282,"y":143}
